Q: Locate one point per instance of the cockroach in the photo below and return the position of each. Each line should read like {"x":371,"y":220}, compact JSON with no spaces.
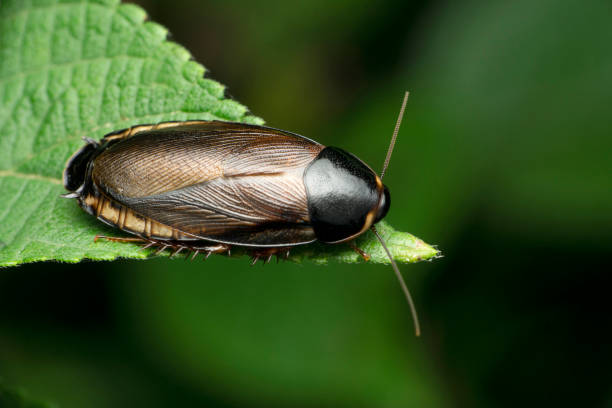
{"x":206,"y":186}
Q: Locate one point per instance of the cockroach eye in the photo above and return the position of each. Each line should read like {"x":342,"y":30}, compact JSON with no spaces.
{"x":383,"y":206}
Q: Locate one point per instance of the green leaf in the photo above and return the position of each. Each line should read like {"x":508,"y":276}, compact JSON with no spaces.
{"x":71,"y":69}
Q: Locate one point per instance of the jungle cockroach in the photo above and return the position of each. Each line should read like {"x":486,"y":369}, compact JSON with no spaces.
{"x":206,"y":186}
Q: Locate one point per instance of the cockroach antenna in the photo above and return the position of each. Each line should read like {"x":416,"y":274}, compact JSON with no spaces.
{"x":394,"y":137}
{"x":415,"y":317}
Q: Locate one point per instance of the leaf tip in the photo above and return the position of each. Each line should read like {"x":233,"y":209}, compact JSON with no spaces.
{"x":426,"y":252}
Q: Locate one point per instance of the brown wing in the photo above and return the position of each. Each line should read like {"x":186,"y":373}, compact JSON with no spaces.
{"x":219,"y":181}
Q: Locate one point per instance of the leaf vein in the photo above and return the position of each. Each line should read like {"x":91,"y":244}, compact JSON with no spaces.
{"x":15,"y":198}
{"x":12,"y":115}
{"x":66,"y":4}
{"x":27,"y":217}
{"x":29,"y":176}
{"x":102,"y":94}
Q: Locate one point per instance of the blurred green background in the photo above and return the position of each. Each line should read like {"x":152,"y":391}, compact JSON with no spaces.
{"x":504,"y":160}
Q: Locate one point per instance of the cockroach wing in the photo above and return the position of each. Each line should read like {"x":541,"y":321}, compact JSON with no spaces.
{"x":217,"y":181}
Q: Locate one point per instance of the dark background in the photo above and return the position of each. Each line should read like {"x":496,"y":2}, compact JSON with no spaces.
{"x":503,"y":161}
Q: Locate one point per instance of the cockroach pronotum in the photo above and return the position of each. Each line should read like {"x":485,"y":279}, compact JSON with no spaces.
{"x":206,"y":186}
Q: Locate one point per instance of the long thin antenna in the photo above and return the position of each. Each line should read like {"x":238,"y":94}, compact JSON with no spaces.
{"x":415,"y":318}
{"x":394,"y":137}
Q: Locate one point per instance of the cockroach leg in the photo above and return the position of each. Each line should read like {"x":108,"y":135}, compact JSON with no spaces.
{"x":364,"y":255}
{"x":283,"y":254}
{"x":91,"y":141}
{"x":176,"y":251}
{"x":161,"y":249}
{"x":148,"y":245}
{"x":254,"y":259}
{"x":195,"y":253}
{"x":216,"y":249}
{"x":118,"y":239}
{"x":266,"y":254}
{"x":213,"y":249}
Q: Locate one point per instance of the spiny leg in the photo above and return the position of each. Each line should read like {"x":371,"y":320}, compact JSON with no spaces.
{"x":148,"y":245}
{"x":177,"y":250}
{"x":213,"y":249}
{"x":119,"y":239}
{"x":254,"y":259}
{"x":283,"y":254}
{"x":163,"y":245}
{"x":266,"y":254}
{"x":257,"y":257}
{"x":364,"y":255}
{"x":195,"y":253}
{"x":178,"y":247}
{"x":161,"y":248}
